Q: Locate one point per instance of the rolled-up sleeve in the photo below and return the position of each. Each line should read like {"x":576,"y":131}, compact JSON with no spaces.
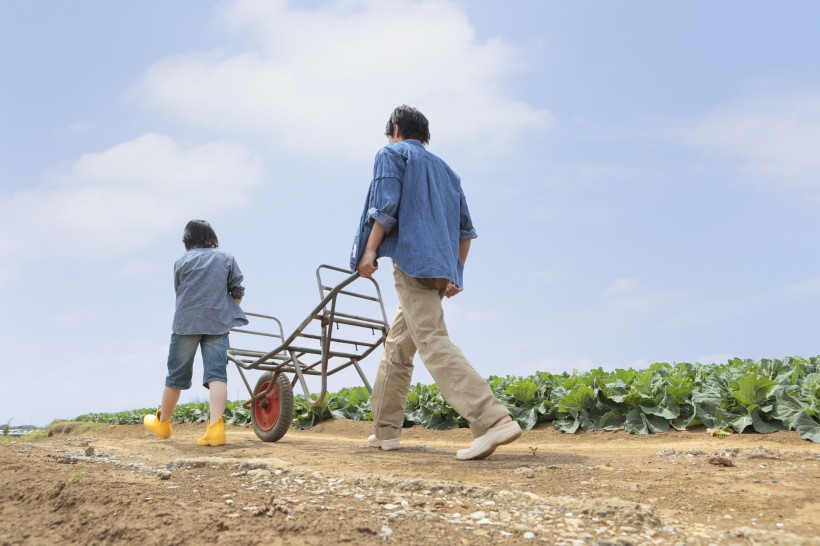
{"x":235,"y":279}
{"x":466,"y":229}
{"x":384,"y":202}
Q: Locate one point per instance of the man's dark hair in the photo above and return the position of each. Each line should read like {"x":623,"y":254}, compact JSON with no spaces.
{"x":411,"y":122}
{"x":199,"y":234}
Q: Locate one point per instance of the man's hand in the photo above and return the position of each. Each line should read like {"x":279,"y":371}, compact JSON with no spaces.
{"x":367,"y":265}
{"x":452,"y":290}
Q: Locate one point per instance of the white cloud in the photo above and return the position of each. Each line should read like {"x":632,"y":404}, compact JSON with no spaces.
{"x":716,"y":311}
{"x":626,"y":307}
{"x":122,"y":197}
{"x":717,"y":358}
{"x":774,"y":139}
{"x":75,"y":129}
{"x":797,"y":290}
{"x":327,"y":79}
{"x":645,"y":306}
{"x":636,"y":364}
{"x":458,"y":314}
{"x":621,"y":286}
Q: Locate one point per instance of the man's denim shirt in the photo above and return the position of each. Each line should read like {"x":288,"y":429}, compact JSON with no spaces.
{"x":419,"y":202}
{"x":207,"y":281}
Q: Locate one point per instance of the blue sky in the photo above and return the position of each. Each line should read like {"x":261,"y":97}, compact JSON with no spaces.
{"x":643,"y":176}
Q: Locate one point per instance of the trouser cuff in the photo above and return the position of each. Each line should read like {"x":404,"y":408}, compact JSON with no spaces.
{"x":488,"y":419}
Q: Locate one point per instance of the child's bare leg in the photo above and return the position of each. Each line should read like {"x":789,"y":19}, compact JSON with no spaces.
{"x":219,"y":399}
{"x":170,"y":397}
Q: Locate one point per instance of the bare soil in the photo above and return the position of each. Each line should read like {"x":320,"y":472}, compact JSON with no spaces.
{"x":101,"y":484}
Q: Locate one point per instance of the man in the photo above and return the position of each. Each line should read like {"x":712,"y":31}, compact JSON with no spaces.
{"x":416,"y":214}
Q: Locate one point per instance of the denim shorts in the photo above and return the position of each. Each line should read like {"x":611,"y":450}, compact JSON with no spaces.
{"x":181,"y":354}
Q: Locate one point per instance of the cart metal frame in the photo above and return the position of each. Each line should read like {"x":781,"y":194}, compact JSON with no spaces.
{"x":343,"y":340}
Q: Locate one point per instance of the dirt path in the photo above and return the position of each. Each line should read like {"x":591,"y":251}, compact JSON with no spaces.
{"x":118,"y":484}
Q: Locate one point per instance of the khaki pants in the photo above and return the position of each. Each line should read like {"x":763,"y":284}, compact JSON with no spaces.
{"x":419,"y":326}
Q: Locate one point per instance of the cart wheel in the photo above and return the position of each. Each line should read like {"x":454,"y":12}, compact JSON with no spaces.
{"x":271,"y":416}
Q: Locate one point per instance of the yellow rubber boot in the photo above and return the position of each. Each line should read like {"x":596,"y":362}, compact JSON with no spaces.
{"x":152,"y":423}
{"x":215,"y":435}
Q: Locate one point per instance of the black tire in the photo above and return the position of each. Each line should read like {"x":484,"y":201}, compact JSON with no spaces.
{"x":271,"y":416}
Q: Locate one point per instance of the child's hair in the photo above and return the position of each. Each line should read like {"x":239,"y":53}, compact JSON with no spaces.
{"x":199,"y":234}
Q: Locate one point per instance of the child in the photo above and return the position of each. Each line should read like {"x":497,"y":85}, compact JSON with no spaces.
{"x":209,"y":289}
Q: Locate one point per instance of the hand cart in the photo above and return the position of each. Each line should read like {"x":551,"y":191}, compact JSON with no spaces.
{"x":346,"y":326}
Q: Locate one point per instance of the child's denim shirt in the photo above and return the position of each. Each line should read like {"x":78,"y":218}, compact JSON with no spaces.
{"x":207,"y":281}
{"x":419,"y":202}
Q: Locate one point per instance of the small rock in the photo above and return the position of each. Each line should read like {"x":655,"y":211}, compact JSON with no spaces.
{"x":164,"y":474}
{"x":259,"y":474}
{"x":720,"y":461}
{"x":529,"y":535}
{"x":89,"y":451}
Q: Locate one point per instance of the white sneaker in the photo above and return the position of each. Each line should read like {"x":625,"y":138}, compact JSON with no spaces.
{"x":484,"y":445}
{"x":386,"y":445}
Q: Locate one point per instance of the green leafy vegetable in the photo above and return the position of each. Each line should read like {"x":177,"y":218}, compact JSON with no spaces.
{"x":765,"y":396}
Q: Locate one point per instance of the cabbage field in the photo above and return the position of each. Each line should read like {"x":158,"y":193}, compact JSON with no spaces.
{"x":742,"y":396}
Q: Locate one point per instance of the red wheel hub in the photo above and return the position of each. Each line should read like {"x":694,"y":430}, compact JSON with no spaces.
{"x":266,"y":410}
